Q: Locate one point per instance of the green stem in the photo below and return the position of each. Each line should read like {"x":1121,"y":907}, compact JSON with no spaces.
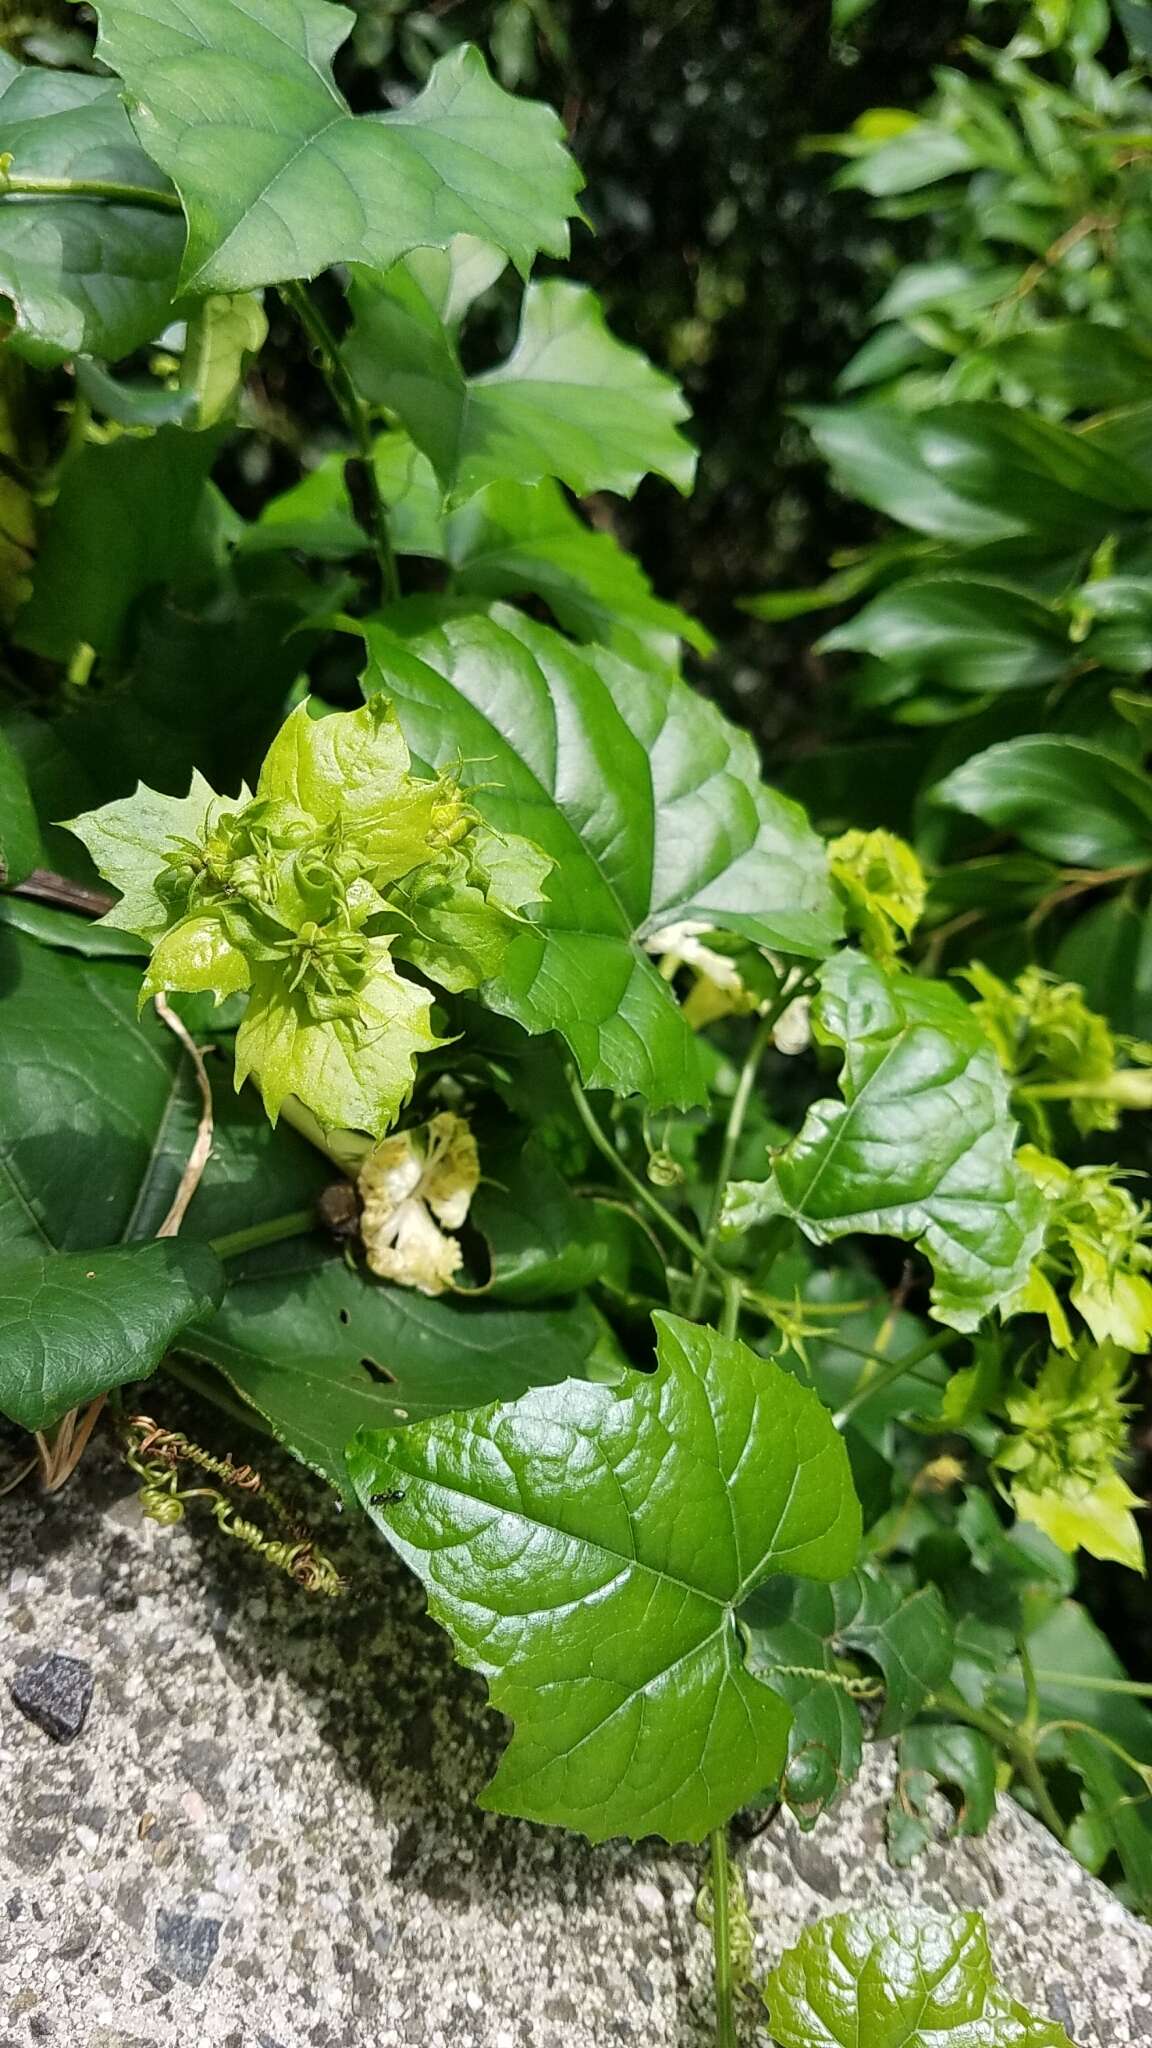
{"x":603,"y":1143}
{"x":1136,"y":1687}
{"x":722,"y":1941}
{"x":358,"y":420}
{"x":13,"y":185}
{"x":732,"y":1133}
{"x":893,"y":1370}
{"x":298,"y":1223}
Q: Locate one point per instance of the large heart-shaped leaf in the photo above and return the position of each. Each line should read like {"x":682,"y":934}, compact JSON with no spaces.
{"x":650,"y":805}
{"x":897,"y":1979}
{"x":84,"y":276}
{"x":920,"y":1147}
{"x":588,"y":1547}
{"x":73,"y":1325}
{"x":279,"y":180}
{"x":570,"y":401}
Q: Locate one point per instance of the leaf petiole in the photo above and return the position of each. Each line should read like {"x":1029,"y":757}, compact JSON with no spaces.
{"x":297,"y":1223}
{"x":358,"y":420}
{"x":16,"y":186}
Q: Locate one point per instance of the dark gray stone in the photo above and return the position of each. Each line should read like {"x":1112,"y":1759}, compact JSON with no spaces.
{"x":56,"y":1693}
{"x":186,"y":1944}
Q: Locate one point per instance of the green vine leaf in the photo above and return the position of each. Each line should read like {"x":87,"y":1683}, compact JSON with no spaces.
{"x":84,"y":278}
{"x":280,"y":180}
{"x":21,"y":848}
{"x":570,"y":401}
{"x":73,"y":1325}
{"x":128,"y":841}
{"x":933,"y":1755}
{"x":920,"y":1147}
{"x":651,"y":808}
{"x":797,"y":1635}
{"x":321,"y":1350}
{"x":588,"y":1547}
{"x":904,"y":1979}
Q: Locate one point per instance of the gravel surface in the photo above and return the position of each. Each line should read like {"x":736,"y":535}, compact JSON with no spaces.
{"x":262,"y":1835}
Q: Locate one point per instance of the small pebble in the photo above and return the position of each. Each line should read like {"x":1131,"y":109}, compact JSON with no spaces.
{"x":56,"y":1694}
{"x":186,"y":1944}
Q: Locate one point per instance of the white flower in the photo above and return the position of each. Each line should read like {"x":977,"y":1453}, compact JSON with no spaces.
{"x":410,"y":1186}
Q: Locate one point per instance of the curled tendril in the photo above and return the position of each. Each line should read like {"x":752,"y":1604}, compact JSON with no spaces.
{"x":156,"y":1454}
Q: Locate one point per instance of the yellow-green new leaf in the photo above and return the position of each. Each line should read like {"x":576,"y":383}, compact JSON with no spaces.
{"x":588,"y":1547}
{"x":354,"y":1073}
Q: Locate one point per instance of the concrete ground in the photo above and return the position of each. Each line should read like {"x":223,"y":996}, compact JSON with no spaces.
{"x":264,"y":1835}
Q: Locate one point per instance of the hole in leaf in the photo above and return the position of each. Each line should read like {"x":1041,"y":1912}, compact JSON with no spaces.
{"x":345,"y":1317}
{"x":379,"y":1373}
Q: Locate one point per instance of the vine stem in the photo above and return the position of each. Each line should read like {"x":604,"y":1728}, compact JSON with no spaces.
{"x":732,"y":1132}
{"x":297,"y":1223}
{"x":358,"y":421}
{"x":15,"y":185}
{"x":696,"y":1251}
{"x":722,"y":1941}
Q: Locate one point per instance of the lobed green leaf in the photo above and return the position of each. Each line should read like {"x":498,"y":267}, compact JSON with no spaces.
{"x":588,"y":1548}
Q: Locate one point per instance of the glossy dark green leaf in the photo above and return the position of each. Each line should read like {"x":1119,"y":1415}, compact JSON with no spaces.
{"x":85,"y":1090}
{"x":21,"y":848}
{"x":1116,"y":1802}
{"x":84,"y":276}
{"x":1109,"y":952}
{"x":908,"y":1638}
{"x":1081,"y":364}
{"x":279,"y":180}
{"x":72,"y":934}
{"x":897,"y":1978}
{"x":542,"y":1238}
{"x":649,"y":804}
{"x":1136,"y":21}
{"x":570,"y":401}
{"x":965,"y":634}
{"x":1061,"y":796}
{"x":920,"y":1147}
{"x":790,"y":1628}
{"x":935,"y":1755}
{"x":876,"y":454}
{"x":143,"y":498}
{"x":73,"y":1325}
{"x":797,"y":1637}
{"x":980,"y":472}
{"x":588,"y":1548}
{"x":322,"y":1350}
